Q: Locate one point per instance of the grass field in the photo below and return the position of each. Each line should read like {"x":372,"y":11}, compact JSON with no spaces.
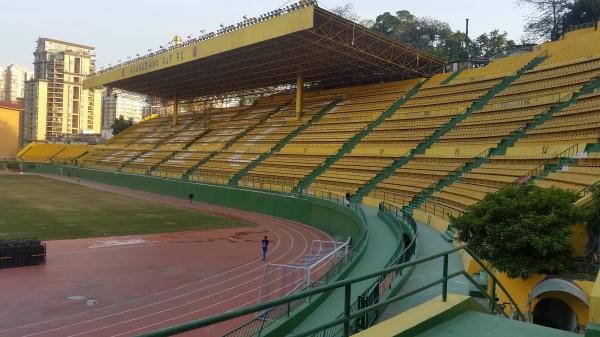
{"x":32,"y":206}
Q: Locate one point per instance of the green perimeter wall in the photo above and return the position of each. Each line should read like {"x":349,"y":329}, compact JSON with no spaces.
{"x":322,"y":214}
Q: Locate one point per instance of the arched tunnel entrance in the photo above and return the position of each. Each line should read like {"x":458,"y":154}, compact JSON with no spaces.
{"x":558,"y":303}
{"x":555,"y":313}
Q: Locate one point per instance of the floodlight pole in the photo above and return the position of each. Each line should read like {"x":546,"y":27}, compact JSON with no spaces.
{"x":175,"y":110}
{"x":467,"y":44}
{"x":299,"y":94}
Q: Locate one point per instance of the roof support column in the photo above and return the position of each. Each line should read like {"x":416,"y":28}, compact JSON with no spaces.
{"x":299,"y":95}
{"x":175,"y":110}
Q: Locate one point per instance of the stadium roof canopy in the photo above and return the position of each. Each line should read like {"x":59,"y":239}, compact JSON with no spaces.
{"x":271,"y":51}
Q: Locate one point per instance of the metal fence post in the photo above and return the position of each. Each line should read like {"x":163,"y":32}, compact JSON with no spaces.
{"x":347,"y":295}
{"x":445,"y":275}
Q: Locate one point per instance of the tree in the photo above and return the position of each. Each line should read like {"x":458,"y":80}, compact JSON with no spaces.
{"x":120,"y":124}
{"x":493,"y":43}
{"x":348,"y":11}
{"x":582,"y":11}
{"x":521,"y":230}
{"x":546,"y":23}
{"x":433,"y":36}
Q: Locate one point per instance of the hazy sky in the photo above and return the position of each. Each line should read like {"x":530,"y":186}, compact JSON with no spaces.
{"x":125,"y":27}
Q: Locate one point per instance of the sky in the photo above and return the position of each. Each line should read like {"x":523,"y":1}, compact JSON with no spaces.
{"x":121,"y":28}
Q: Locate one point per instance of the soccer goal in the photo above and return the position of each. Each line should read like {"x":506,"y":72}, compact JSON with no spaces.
{"x":283,"y":279}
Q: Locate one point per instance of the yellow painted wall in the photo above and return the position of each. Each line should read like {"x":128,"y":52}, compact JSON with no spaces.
{"x":9,"y":132}
{"x":435,"y":222}
{"x":594,"y":313}
{"x":518,"y":288}
{"x":579,"y":239}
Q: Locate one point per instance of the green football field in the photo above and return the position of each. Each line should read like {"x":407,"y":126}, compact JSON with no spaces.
{"x":32,"y":206}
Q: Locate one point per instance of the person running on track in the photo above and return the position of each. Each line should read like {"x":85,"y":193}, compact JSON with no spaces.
{"x":265,"y":246}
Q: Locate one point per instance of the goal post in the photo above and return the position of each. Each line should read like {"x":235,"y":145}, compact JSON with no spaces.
{"x":282,"y":279}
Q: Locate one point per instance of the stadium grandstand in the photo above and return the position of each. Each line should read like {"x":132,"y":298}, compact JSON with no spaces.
{"x":324,"y":106}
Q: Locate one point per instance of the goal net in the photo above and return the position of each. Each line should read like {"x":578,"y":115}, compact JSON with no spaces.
{"x":283,"y":279}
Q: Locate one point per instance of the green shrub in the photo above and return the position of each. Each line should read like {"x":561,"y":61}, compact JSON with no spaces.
{"x":521,"y":230}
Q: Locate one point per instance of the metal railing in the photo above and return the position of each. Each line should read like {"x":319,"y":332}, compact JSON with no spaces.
{"x":217,"y":178}
{"x":175,"y":173}
{"x":570,"y":152}
{"x":545,"y":99}
{"x":280,"y":184}
{"x":135,"y":170}
{"x":395,"y":197}
{"x":440,"y":210}
{"x":590,"y":24}
{"x":430,"y":206}
{"x":343,"y":324}
{"x":589,"y":190}
{"x":459,"y":168}
{"x":383,"y":283}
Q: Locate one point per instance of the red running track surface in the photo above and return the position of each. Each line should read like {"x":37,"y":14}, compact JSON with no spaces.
{"x":142,"y":283}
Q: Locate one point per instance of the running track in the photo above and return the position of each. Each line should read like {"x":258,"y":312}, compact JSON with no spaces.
{"x":226,"y":290}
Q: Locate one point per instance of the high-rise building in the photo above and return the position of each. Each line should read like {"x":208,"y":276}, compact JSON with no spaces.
{"x":2,"y":82}
{"x":13,"y":80}
{"x":116,"y":103}
{"x":55,"y":104}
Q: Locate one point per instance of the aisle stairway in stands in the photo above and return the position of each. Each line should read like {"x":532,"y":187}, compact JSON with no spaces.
{"x":285,"y":169}
{"x":351,"y":143}
{"x":445,"y":128}
{"x":558,"y":160}
{"x":131,"y":162}
{"x":254,"y":163}
{"x":187,"y":145}
{"x":232,"y":141}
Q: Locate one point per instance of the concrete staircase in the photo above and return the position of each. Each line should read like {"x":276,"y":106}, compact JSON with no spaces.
{"x":239,"y":136}
{"x":435,"y":136}
{"x":351,"y":143}
{"x":243,"y":172}
{"x":563,"y":158}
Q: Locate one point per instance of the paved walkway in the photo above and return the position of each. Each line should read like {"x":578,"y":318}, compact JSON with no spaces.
{"x":476,"y":324}
{"x":381,"y":245}
{"x":429,"y":243}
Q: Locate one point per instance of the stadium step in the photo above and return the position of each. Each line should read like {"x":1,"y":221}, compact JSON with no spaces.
{"x":453,"y":176}
{"x":482,"y":278}
{"x":156,"y":145}
{"x":539,"y":120}
{"x":429,"y":141}
{"x":187,"y":145}
{"x":239,"y":136}
{"x":449,"y":234}
{"x":351,"y":143}
{"x":451,"y":77}
{"x":564,"y":158}
{"x":238,"y":176}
